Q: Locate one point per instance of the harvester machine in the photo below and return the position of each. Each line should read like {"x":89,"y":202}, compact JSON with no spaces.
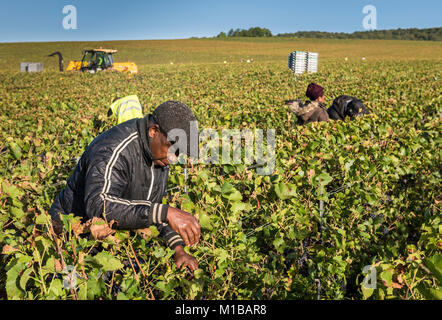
{"x":95,"y":60}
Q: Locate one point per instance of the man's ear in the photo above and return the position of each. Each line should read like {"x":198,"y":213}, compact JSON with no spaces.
{"x":153,"y":130}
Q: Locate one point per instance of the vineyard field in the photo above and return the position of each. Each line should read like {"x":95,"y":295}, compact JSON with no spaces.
{"x":344,"y":194}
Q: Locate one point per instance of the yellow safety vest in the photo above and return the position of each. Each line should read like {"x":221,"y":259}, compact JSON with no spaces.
{"x":127,"y":108}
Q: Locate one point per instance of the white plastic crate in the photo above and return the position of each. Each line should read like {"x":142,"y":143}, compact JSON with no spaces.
{"x":303,"y":61}
{"x":31,"y":67}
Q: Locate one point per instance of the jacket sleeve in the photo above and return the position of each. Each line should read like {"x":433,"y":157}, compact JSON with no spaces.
{"x":171,"y":237}
{"x":323,"y":115}
{"x":105,"y":182}
{"x":103,"y":199}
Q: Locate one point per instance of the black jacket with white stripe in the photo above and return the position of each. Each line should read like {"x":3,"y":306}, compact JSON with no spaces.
{"x":116,"y":179}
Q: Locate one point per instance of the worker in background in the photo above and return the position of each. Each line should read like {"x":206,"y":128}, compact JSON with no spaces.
{"x":99,"y":60}
{"x":125,"y":108}
{"x":313,"y":110}
{"x":346,"y":106}
{"x":122,"y":176}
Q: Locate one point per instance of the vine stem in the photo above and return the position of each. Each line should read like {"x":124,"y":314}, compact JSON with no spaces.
{"x":142,"y":272}
{"x":130,"y":261}
{"x":63,"y":264}
{"x":8,"y":224}
{"x":136,"y":274}
{"x":318,"y":296}
{"x":40,"y":258}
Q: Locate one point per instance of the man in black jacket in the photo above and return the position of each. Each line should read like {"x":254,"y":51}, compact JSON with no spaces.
{"x":346,"y":106}
{"x":122,"y":176}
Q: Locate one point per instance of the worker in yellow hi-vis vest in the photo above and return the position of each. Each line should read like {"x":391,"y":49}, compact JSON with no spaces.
{"x":126,"y":108}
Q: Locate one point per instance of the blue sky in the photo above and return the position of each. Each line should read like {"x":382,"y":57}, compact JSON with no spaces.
{"x":35,"y":20}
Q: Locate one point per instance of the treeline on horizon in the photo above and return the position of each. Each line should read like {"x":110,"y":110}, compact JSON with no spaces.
{"x":429,"y":34}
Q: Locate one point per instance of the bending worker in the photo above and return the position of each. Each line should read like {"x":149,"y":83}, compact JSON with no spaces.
{"x":122,"y":176}
{"x":313,"y":110}
{"x":125,"y":108}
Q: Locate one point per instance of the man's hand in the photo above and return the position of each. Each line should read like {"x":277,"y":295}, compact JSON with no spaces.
{"x":185,"y":224}
{"x":182,"y":259}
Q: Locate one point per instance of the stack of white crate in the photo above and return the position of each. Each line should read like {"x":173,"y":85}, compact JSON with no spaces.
{"x":297,"y":61}
{"x":302,"y":61}
{"x":312,"y":62}
{"x":31,"y":67}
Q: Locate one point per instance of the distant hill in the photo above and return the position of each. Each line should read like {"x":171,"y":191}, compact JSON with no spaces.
{"x":430,"y":34}
{"x":252,"y":32}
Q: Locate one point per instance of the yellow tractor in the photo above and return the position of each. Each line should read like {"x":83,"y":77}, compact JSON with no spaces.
{"x":95,"y":60}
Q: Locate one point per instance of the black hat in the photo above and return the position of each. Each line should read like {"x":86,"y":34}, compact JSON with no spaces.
{"x":176,"y":115}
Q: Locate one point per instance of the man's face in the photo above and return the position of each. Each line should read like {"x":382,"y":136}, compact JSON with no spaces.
{"x":321,"y":99}
{"x":159,"y":146}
